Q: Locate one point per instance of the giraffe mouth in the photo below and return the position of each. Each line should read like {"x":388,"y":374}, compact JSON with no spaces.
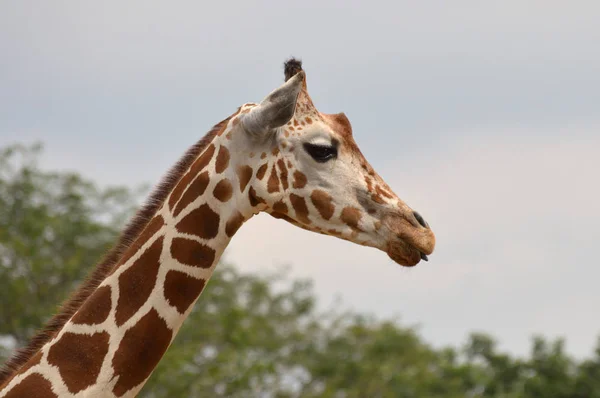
{"x":405,"y":254}
{"x":410,"y":250}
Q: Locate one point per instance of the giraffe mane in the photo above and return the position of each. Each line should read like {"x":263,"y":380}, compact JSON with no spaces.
{"x":129,"y":234}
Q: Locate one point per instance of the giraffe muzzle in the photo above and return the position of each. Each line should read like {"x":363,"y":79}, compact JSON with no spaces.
{"x":411,"y":239}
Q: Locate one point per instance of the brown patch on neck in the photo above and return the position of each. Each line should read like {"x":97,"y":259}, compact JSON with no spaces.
{"x":193,"y":192}
{"x":192,"y":253}
{"x":234,"y":223}
{"x":151,"y":229}
{"x":283,"y":173}
{"x":79,"y":358}
{"x":273,"y":182}
{"x":202,"y":222}
{"x":222,"y":160}
{"x":223,"y":190}
{"x":244,"y":175}
{"x":130,"y":234}
{"x":181,"y":289}
{"x":140,"y":350}
{"x":96,"y":308}
{"x":254,"y":199}
{"x":137,"y":282}
{"x":200,"y":164}
{"x":262,"y":170}
{"x":280,"y":207}
{"x":33,"y":385}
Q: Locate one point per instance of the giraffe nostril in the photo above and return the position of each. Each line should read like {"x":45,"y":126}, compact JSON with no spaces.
{"x":420,"y":219}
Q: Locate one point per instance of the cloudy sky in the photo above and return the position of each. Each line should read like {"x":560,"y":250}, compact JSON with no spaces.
{"x":484,"y":117}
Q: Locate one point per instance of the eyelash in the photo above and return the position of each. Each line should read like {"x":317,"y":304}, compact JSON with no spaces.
{"x":321,"y":153}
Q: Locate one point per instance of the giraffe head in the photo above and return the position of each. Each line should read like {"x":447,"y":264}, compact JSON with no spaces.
{"x":305,"y":167}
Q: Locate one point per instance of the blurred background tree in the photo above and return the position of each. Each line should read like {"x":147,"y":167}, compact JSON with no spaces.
{"x":249,"y":335}
{"x":53,"y":227}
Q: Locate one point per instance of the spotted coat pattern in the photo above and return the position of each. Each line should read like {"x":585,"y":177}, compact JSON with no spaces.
{"x":117,"y":337}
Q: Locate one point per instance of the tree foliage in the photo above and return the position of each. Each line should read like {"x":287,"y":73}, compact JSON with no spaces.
{"x":249,"y":335}
{"x":53,"y":228}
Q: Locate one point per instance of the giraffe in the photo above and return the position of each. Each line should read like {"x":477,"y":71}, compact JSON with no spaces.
{"x":280,"y":156}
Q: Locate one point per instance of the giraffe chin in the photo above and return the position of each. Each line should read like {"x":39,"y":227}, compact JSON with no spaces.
{"x":404,"y":254}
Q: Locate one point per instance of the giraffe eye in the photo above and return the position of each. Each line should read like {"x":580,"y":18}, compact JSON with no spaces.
{"x":321,"y":153}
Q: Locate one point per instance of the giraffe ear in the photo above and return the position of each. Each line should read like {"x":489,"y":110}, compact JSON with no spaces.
{"x":275,"y":110}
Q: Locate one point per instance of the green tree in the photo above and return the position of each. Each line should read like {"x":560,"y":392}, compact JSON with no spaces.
{"x":358,"y":356}
{"x":499,"y":375}
{"x":53,"y":228}
{"x":551,"y":372}
{"x":587,"y":381}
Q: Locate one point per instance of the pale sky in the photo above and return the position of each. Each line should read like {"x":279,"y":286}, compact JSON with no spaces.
{"x":483,"y":117}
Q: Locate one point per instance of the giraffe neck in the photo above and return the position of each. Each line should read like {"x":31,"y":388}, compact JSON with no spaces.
{"x":117,"y":337}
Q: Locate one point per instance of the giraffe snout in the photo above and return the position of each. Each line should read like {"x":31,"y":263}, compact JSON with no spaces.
{"x":411,"y":239}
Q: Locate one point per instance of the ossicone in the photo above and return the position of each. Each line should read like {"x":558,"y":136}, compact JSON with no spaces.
{"x":291,"y":67}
